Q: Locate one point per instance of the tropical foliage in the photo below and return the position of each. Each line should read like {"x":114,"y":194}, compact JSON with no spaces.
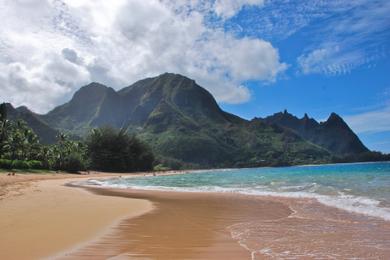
{"x":17,"y":140}
{"x":115,"y":150}
{"x":106,"y":149}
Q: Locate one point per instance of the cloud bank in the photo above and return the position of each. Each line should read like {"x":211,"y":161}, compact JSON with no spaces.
{"x":49,"y":48}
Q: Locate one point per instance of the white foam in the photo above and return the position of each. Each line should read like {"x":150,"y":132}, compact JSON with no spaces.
{"x":93,"y":182}
{"x":355,"y":204}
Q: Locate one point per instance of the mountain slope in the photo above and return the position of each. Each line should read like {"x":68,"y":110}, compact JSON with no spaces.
{"x":333,"y":134}
{"x":183,"y":124}
{"x":176,"y":98}
{"x":84,"y":110}
{"x":45,"y":133}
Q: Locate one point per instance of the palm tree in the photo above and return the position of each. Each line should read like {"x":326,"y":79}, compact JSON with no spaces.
{"x":3,"y":127}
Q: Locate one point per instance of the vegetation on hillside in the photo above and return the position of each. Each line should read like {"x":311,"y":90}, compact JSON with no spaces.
{"x":185,"y":128}
{"x":333,"y":134}
{"x":183,"y":124}
{"x":105,"y":149}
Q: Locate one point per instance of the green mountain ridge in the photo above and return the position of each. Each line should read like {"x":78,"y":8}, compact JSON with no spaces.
{"x":45,"y":133}
{"x":333,"y":134}
{"x":185,"y":127}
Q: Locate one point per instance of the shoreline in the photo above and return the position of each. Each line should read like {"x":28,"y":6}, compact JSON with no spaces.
{"x":325,"y":200}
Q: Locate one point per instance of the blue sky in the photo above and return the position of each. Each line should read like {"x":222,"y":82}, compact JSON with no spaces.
{"x":256,"y":57}
{"x":352,"y":81}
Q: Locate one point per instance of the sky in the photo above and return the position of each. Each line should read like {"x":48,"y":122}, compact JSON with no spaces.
{"x":257,"y":57}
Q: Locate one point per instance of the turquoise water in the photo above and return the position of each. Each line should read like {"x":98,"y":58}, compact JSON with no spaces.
{"x":361,"y":187}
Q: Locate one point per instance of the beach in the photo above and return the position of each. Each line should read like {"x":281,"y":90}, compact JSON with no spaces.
{"x":191,"y":225}
{"x":41,"y":217}
{"x":183,"y":226}
{"x":49,"y":219}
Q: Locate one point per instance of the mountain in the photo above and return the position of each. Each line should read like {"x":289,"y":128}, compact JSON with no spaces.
{"x":333,"y":134}
{"x":45,"y":133}
{"x":183,"y":124}
{"x":185,"y":127}
{"x":176,"y":98}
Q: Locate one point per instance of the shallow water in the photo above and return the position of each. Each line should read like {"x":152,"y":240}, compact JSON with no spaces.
{"x":360,"y":187}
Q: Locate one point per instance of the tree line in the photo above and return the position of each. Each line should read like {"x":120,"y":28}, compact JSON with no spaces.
{"x":104,"y":149}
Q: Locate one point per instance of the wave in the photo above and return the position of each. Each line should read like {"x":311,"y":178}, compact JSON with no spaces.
{"x":351,"y":203}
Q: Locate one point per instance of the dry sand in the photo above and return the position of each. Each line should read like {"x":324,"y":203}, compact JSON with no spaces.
{"x":44,"y":218}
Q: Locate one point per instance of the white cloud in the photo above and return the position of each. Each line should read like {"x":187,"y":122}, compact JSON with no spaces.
{"x":228,"y":8}
{"x":22,"y":85}
{"x":371,"y":121}
{"x":354,"y":34}
{"x":279,"y":19}
{"x":60,"y":45}
{"x":331,"y":60}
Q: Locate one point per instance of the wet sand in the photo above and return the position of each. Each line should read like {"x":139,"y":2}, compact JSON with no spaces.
{"x":232,"y":226}
{"x":44,"y":218}
{"x":182,"y":226}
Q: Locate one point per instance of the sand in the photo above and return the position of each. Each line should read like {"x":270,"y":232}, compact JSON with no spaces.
{"x":45,"y":218}
{"x":183,"y":226}
{"x":233,"y":226}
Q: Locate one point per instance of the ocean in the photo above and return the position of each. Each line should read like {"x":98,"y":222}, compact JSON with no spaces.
{"x":362,"y":188}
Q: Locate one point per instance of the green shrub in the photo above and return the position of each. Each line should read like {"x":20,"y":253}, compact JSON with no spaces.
{"x":35,"y":164}
{"x":73,"y":163}
{"x":116,"y":151}
{"x":161,"y":167}
{"x":5,"y":163}
{"x":173,"y":164}
{"x":19,"y":164}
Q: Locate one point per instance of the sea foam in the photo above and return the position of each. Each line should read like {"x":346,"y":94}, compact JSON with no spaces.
{"x":355,"y":204}
{"x":357,"y":188}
